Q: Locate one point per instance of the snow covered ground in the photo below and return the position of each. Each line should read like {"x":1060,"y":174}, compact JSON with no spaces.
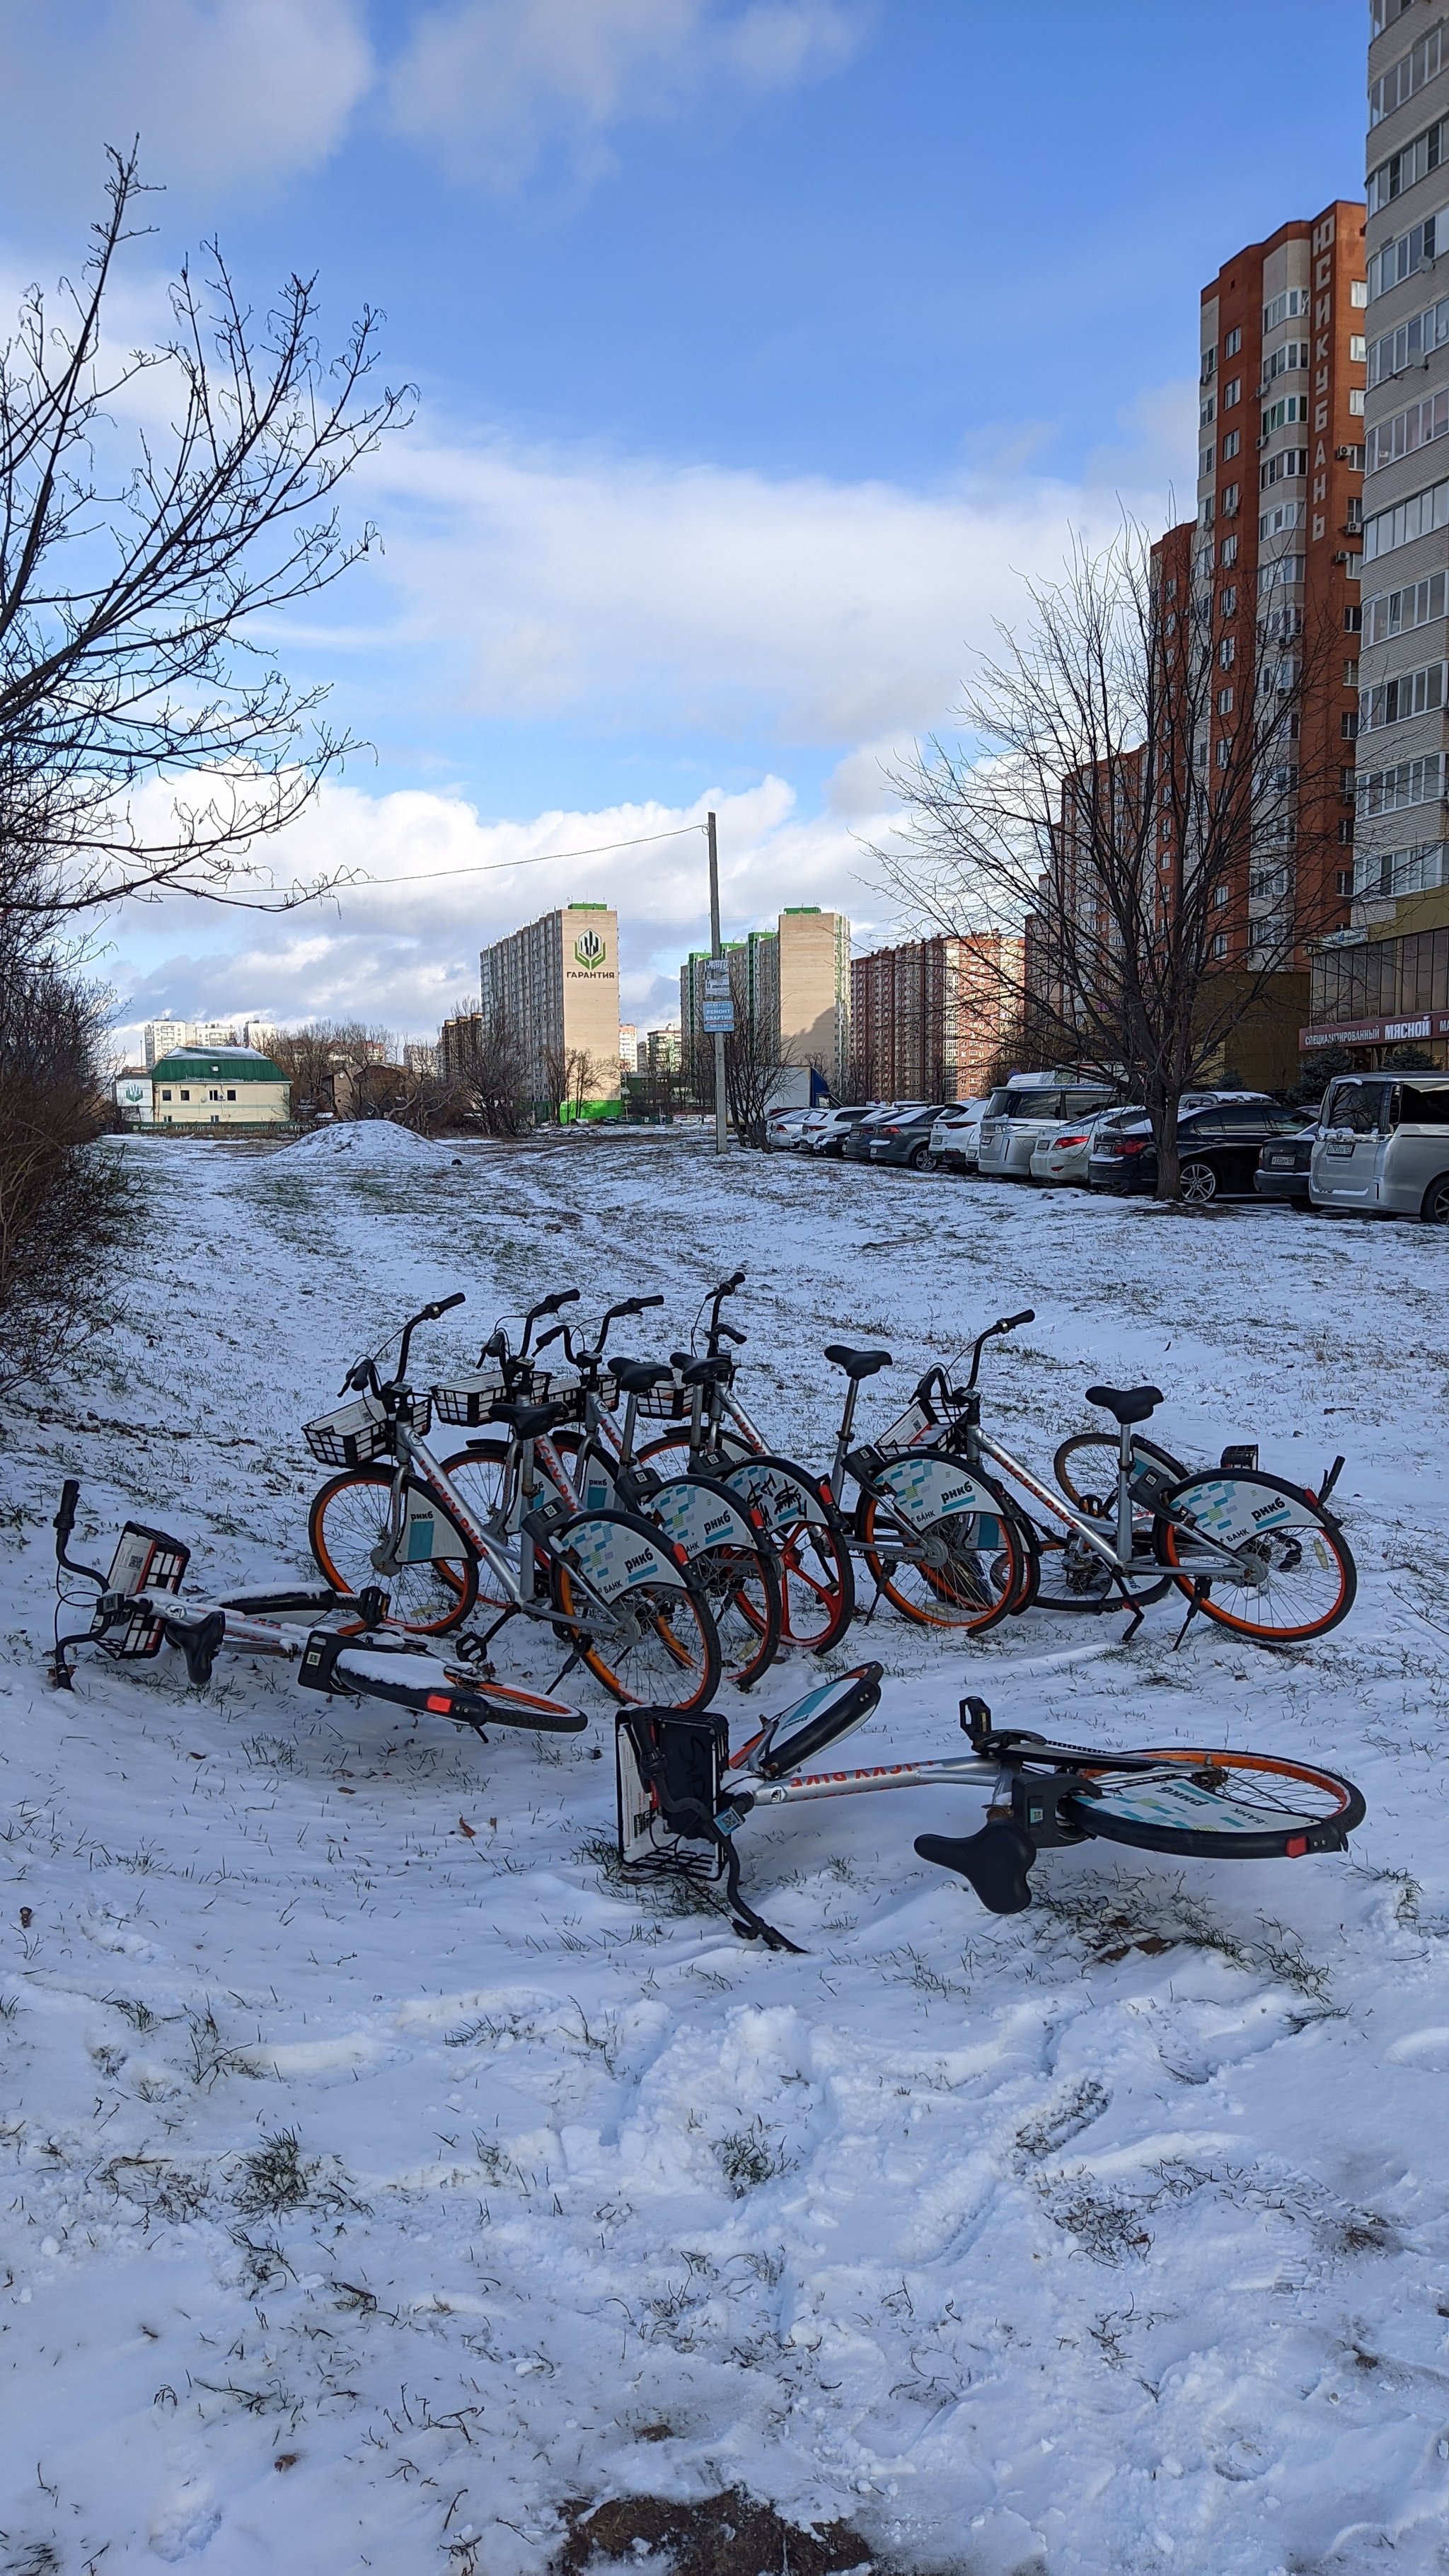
{"x":381,"y":2178}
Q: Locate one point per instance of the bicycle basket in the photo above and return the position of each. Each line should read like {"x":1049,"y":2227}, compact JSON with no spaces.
{"x":363,"y":1430}
{"x":671,"y":1403}
{"x":470,"y":1400}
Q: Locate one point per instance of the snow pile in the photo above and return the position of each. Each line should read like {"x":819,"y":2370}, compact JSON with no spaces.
{"x":374,"y":1142}
{"x":382,"y":2176}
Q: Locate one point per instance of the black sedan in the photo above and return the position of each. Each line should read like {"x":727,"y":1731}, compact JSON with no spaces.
{"x":1282,"y":1171}
{"x":1218,"y":1150}
{"x":906,"y":1139}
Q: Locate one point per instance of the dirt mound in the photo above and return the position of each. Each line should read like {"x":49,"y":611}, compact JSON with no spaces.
{"x":724,"y":2535}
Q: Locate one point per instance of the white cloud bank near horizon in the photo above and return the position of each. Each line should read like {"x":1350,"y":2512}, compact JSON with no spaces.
{"x":634,"y":599}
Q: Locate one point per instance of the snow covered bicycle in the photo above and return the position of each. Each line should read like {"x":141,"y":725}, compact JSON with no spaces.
{"x":610,"y":1587}
{"x":137,"y":1611}
{"x":1259,"y":1555}
{"x":726,"y":1550}
{"x":683,"y":1797}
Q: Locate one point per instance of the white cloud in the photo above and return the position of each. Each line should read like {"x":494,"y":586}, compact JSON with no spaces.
{"x":489,"y":85}
{"x":221,"y":92}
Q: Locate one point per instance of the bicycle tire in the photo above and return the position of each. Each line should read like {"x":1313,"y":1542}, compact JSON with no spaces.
{"x":817,"y":1578}
{"x":739,"y":1577}
{"x":1238,"y":1505}
{"x":350,"y":1516}
{"x":1104,"y":1443}
{"x":1254,"y":1825}
{"x":1070,"y":1578}
{"x":478,"y":1473}
{"x":674,"y":1652}
{"x":983,"y":1582}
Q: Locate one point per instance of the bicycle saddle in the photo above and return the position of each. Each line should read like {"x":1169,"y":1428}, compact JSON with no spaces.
{"x":995,"y":1861}
{"x":856,"y":1363}
{"x":637,"y":1377}
{"x":1127,"y":1403}
{"x":706,"y":1372}
{"x":527,"y":1421}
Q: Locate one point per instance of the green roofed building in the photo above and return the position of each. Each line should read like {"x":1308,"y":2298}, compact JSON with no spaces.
{"x":227,"y":1086}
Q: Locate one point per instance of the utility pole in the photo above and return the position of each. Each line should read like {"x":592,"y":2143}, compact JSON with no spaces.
{"x":716,"y":950}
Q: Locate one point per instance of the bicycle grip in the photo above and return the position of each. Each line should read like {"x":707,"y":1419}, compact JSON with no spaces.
{"x":65,"y":1517}
{"x":728,"y":1286}
{"x":445,"y":1305}
{"x":1008,"y":1323}
{"x":561,"y":1297}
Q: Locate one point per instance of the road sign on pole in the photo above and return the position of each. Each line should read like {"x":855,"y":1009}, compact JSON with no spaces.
{"x":719,"y":1017}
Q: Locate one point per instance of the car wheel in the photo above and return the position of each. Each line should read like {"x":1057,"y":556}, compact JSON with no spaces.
{"x":920,"y":1157}
{"x":1435,"y":1209}
{"x":1199,"y":1183}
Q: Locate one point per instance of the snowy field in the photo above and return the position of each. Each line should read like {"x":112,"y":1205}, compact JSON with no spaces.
{"x":381,"y":2179}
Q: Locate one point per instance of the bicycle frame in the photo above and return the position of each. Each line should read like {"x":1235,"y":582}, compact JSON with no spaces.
{"x":415,"y":1456}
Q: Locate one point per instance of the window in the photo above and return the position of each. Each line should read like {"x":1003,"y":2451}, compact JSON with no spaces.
{"x":1225,"y":702}
{"x":1348,"y":727}
{"x":1232,"y":392}
{"x":1206,"y":511}
{"x":1398,"y":612}
{"x":1283,"y":516}
{"x":1281,"y":415}
{"x":1208,"y":412}
{"x":1286,"y":308}
{"x":1220,"y":896}
{"x":1358,"y":293}
{"x":1206,"y":460}
{"x":1411,"y":782}
{"x":1230,"y":553}
{"x":213,"y":1095}
{"x":1417,"y":427}
{"x":186,"y":1095}
{"x":165,"y":1095}
{"x":1418,"y":248}
{"x":1281,"y":625}
{"x":1283,"y":468}
{"x":1355,"y":402}
{"x":1406,"y":167}
{"x":1407,"y":520}
{"x":1220,"y":944}
{"x":1350,"y":675}
{"x":1413,"y":693}
{"x":1209,"y":365}
{"x":1227,"y":604}
{"x":1357,"y":349}
{"x":1287,"y":569}
{"x":1353,"y":515}
{"x":1228,"y":651}
{"x":1289,"y":360}
{"x":1225,"y":753}
{"x":1409,"y":74}
{"x":1412,"y":341}
{"x":1382,"y":874}
{"x":231,"y":1095}
{"x":1228,"y":501}
{"x":1231,"y":445}
{"x":1232,"y":344}
{"x":1343,"y":883}
{"x":1353,"y":621}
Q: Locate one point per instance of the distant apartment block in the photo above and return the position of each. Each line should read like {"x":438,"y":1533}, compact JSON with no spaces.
{"x":928,"y":1020}
{"x":555,"y":985}
{"x":158,"y":1037}
{"x":794,"y":980}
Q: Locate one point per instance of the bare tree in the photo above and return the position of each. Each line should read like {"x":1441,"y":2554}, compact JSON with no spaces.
{"x":755,"y":1066}
{"x":569,"y":1079}
{"x":142,"y":560}
{"x":1167,"y":848}
{"x":482,"y":1070}
{"x":313,"y":1056}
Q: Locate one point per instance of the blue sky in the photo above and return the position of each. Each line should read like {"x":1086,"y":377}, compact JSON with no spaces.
{"x":762,"y":346}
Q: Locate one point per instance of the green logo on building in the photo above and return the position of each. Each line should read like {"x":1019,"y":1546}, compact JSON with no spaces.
{"x":590,"y":951}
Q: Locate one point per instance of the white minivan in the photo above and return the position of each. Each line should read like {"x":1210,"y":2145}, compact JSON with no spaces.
{"x":1382,"y":1147}
{"x":1027,"y":1108}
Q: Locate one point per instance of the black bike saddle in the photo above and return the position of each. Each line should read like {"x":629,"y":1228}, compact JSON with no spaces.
{"x":706,"y":1372}
{"x":1127,"y":1403}
{"x":528,"y":1420}
{"x":996,"y":1861}
{"x":856,"y":1363}
{"x":638,"y":1377}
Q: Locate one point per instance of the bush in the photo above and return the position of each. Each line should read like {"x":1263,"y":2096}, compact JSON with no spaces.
{"x":65,"y":1208}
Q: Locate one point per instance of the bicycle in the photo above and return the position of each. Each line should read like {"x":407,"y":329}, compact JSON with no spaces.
{"x":682,"y":1796}
{"x":137,"y":1612}
{"x":1259,"y":1555}
{"x":603,"y":1581}
{"x":712,"y":1435}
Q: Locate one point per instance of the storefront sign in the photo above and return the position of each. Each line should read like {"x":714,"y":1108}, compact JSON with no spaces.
{"x":1429,"y":1024}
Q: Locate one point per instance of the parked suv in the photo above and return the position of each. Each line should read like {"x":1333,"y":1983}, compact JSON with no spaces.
{"x":1032,"y":1106}
{"x":905,"y":1138}
{"x":1383,"y":1146}
{"x":955,"y":1136}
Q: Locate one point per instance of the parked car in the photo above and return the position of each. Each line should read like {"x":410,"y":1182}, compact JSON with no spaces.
{"x":905,"y":1138}
{"x":1383,"y":1146}
{"x":1284,"y":1166}
{"x":955,"y":1136}
{"x":782,"y":1127}
{"x":1218,"y":1147}
{"x":1059,"y":1158}
{"x":835,"y":1126}
{"x":856,"y":1148}
{"x":1031,"y":1106}
{"x":808,"y":1129}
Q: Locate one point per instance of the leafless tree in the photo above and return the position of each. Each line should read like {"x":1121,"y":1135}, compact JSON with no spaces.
{"x":159,"y":509}
{"x":1168,"y":847}
{"x":755,"y":1066}
{"x":314,"y":1055}
{"x":570,"y":1077}
{"x":481,"y":1067}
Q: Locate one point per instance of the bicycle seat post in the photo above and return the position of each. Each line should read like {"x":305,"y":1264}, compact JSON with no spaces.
{"x":1124,"y":1493}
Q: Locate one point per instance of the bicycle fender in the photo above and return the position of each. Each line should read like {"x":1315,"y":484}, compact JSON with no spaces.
{"x":700,"y":1517}
{"x":928,"y":1488}
{"x":779,"y":1492}
{"x":1234,"y":1508}
{"x":613,"y":1552}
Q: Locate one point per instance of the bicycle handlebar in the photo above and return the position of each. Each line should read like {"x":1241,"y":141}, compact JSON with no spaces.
{"x":1004,"y":1324}
{"x":546,"y":1306}
{"x":65,"y":1518}
{"x":363,"y":1379}
{"x":717,"y":1330}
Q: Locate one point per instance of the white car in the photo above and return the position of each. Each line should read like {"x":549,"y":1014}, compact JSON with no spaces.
{"x":1059,"y":1160}
{"x":803,"y":1140}
{"x":1024,"y":1111}
{"x":782,"y":1127}
{"x":956,"y":1135}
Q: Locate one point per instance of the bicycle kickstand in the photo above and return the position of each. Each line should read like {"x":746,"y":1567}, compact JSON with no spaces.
{"x":1199,"y":1596}
{"x":1134,"y":1609}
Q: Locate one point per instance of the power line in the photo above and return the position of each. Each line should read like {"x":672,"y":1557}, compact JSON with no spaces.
{"x":497,"y":867}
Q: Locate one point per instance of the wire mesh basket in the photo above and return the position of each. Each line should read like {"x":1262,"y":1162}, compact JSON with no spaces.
{"x":570,"y":1393}
{"x":471,"y":1400}
{"x":363,"y":1430}
{"x":672,"y":1403}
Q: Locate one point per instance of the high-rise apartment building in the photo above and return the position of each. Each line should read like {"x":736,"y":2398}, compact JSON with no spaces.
{"x":1386,"y":977}
{"x":1277,"y":553}
{"x":929,"y":1020}
{"x":158,"y":1037}
{"x":793,"y":981}
{"x":555,"y":985}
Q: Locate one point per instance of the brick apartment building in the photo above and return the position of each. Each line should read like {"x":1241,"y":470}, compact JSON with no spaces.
{"x":929,"y":1020}
{"x":794,"y":981}
{"x":1385,"y":978}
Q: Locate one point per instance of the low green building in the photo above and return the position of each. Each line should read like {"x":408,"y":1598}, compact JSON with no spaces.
{"x":219,"y":1087}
